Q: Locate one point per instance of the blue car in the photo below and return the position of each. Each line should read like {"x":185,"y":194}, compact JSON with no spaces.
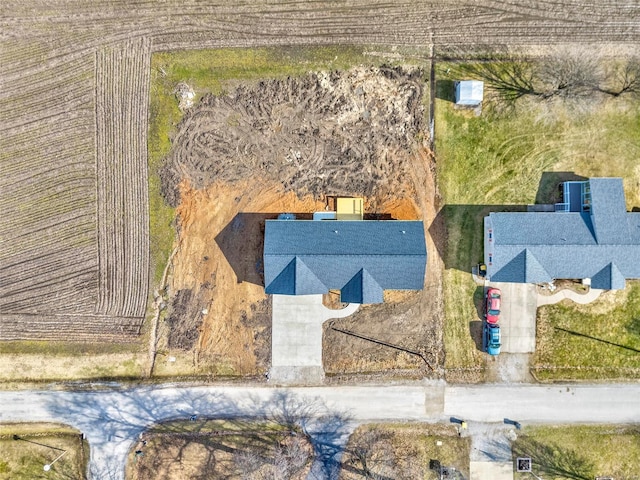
{"x":491,"y":339}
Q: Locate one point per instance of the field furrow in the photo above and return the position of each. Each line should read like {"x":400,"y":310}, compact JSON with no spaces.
{"x":47,"y":191}
{"x":122,"y":83}
{"x":69,"y":328}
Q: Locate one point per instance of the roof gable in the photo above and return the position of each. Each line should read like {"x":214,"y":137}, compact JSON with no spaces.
{"x":296,"y":279}
{"x":523,"y":268}
{"x":306,"y":281}
{"x":609,"y":278}
{"x":362,"y":288}
{"x":534,"y":271}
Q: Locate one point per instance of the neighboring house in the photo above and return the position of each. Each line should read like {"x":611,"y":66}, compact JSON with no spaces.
{"x":469,"y":92}
{"x":359,"y":258}
{"x":589,"y":236}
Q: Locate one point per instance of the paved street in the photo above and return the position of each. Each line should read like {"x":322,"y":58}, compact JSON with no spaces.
{"x":113,"y":419}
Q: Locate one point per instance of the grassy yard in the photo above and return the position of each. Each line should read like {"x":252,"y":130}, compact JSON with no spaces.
{"x":218,"y":71}
{"x":403,"y":451}
{"x":30,"y":361}
{"x":26,"y":448}
{"x":596,"y":341}
{"x":503,"y":160}
{"x":580,"y":452}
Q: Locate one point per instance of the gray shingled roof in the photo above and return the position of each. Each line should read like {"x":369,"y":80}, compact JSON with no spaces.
{"x":609,"y":211}
{"x":360,"y":258}
{"x":536,"y":247}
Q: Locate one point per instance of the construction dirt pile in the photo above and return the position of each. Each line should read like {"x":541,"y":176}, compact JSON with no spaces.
{"x":327,"y":133}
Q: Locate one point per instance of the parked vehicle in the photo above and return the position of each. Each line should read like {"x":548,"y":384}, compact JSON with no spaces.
{"x":492,"y":305}
{"x":491,"y":339}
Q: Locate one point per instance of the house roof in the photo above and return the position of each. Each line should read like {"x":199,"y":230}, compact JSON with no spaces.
{"x":609,"y":211}
{"x":359,"y":258}
{"x":602,"y":244}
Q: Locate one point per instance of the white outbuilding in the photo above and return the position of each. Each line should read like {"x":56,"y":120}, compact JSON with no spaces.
{"x":469,"y":92}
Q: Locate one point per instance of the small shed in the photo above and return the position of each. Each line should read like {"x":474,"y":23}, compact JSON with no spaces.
{"x":469,"y":92}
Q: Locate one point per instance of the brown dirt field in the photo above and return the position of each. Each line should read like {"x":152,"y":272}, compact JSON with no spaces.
{"x":222,"y":453}
{"x":324,"y":133}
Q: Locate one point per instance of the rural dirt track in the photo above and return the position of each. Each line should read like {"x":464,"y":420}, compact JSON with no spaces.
{"x":73,"y":113}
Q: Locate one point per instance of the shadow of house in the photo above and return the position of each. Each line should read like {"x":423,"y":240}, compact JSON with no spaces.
{"x":550,"y":186}
{"x":458,"y":235}
{"x":242,"y":243}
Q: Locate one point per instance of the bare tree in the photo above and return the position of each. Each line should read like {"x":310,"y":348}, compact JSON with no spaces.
{"x":373,"y":455}
{"x":512,"y":78}
{"x":290,"y":457}
{"x":247,"y":463}
{"x":568,"y":74}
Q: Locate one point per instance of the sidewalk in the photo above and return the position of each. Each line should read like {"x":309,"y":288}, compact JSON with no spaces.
{"x":581,"y":298}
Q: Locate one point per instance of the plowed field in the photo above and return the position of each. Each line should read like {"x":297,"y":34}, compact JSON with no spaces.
{"x":73,"y":115}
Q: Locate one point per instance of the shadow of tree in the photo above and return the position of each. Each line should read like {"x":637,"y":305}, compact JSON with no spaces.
{"x":553,"y":459}
{"x":113,"y":421}
{"x":633,"y":327}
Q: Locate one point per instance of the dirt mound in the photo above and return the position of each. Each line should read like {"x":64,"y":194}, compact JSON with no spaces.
{"x":326,"y":133}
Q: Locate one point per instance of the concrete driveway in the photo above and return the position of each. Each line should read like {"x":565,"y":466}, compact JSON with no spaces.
{"x":518,"y":317}
{"x":296,"y":337}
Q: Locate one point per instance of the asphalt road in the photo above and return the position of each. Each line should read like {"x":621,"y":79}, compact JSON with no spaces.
{"x":112,"y":419}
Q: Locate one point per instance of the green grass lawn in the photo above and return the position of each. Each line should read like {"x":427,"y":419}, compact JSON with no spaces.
{"x":596,"y":341}
{"x":403,"y":451}
{"x":580,"y":452}
{"x":219,"y":71}
{"x":36,"y":445}
{"x":496,"y":161}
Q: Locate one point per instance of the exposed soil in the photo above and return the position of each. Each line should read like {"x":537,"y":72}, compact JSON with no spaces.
{"x":228,"y":316}
{"x":290,"y":146}
{"x":327,"y":133}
